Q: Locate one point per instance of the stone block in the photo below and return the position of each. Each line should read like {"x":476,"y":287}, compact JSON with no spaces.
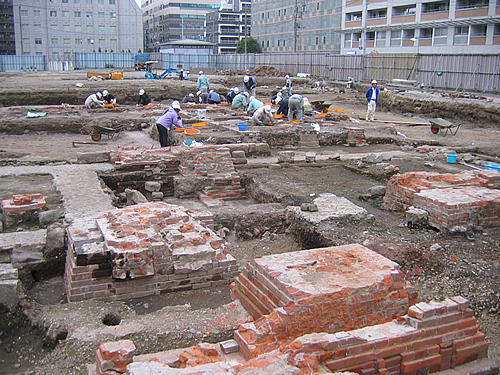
{"x":93,"y":157}
{"x":381,"y":166}
{"x":416,"y":216}
{"x":48,"y":217}
{"x":286,"y":156}
{"x":310,"y":157}
{"x":377,"y":190}
{"x":374,"y":158}
{"x":157,"y":195}
{"x":134,"y":197}
{"x":229,"y":346}
{"x":152,"y":186}
{"x":9,"y":293}
{"x":238,"y":154}
{"x":114,"y":356}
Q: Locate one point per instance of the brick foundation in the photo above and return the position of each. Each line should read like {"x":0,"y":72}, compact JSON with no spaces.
{"x":143,"y":250}
{"x":21,"y":208}
{"x":320,"y":290}
{"x":455,"y":202}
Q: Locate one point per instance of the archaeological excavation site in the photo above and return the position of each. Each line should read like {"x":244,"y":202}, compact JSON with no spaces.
{"x":327,"y":245}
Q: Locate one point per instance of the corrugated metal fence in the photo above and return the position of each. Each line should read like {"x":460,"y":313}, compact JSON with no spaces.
{"x":467,"y":72}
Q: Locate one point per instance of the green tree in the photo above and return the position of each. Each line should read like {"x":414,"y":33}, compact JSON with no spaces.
{"x":252,"y":46}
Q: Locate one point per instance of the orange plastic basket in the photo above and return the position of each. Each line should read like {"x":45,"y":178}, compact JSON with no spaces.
{"x":295,"y":121}
{"x":339,"y":110}
{"x":223,"y":102}
{"x":329,"y":110}
{"x":148,"y":106}
{"x":110,"y":105}
{"x":179,"y":130}
{"x":320,"y":115}
{"x":278,"y":116}
{"x":271,"y":104}
{"x":199,"y":125}
{"x":191,"y":131}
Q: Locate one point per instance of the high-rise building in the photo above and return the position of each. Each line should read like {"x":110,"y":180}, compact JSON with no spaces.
{"x":226,"y":26}
{"x":297,"y":25}
{"x":7,"y":39}
{"x":165,"y":21}
{"x":57,"y":28}
{"x":443,"y":26}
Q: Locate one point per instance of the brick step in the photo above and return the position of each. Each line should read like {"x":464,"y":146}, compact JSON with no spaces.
{"x":251,"y":290}
{"x":277,"y":295}
{"x":250,"y":307}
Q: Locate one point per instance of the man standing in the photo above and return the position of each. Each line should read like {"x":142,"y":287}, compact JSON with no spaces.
{"x":288,"y":85}
{"x":203,"y":82}
{"x":249,"y":85}
{"x":372,"y":98}
{"x":295,"y":103}
{"x":168,"y":121}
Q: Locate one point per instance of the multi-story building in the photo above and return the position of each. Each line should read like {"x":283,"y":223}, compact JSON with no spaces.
{"x":57,"y":28}
{"x":443,"y":26}
{"x":165,"y":21}
{"x":298,"y":25}
{"x":225,"y":27}
{"x":7,"y":39}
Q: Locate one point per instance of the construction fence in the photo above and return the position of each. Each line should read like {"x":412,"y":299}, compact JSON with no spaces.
{"x":471,"y":72}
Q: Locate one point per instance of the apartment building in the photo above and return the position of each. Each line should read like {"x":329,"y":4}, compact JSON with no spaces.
{"x":298,"y":25}
{"x":165,"y":21}
{"x":57,"y":28}
{"x":7,"y":39}
{"x":226,"y":26}
{"x":406,"y":26}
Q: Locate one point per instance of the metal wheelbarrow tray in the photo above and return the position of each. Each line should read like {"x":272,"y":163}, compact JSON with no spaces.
{"x":438,"y":124}
{"x":112,"y":133}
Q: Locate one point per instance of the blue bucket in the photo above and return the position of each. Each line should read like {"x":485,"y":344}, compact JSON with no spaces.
{"x":492,"y":167}
{"x":451,"y":158}
{"x":242,"y":127}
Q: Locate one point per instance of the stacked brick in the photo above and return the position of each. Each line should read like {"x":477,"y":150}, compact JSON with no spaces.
{"x":142,"y":250}
{"x":216,"y":164}
{"x":455,"y":202}
{"x":113,"y":357}
{"x":320,"y":290}
{"x":356,"y":136}
{"x":433,"y":337}
{"x":22,"y":208}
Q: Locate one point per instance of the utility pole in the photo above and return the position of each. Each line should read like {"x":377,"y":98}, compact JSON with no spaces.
{"x":246,"y":65}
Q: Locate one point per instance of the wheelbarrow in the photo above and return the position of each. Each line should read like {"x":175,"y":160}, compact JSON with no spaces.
{"x":438,"y":124}
{"x":112,"y":133}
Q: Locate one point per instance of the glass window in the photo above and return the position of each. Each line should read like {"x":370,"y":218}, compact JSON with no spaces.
{"x":38,"y":40}
{"x":53,"y":13}
{"x":471,"y":4}
{"x":65,"y":1}
{"x":317,"y":40}
{"x":78,"y":14}
{"x":380,"y":41}
{"x":100,"y":2}
{"x":25,"y":27}
{"x":439,"y":6}
{"x":53,"y":27}
{"x":478,"y":30}
{"x":36,"y":12}
{"x":370,"y":36}
{"x":112,"y":29}
{"x":112,"y":2}
{"x":406,"y":10}
{"x":396,"y":38}
{"x":65,"y":27}
{"x":201,"y":27}
{"x":100,"y":14}
{"x":441,"y":36}
{"x":102,"y":41}
{"x":77,"y":1}
{"x":112,"y":15}
{"x":65,"y":13}
{"x":90,"y":28}
{"x":357,"y":16}
{"x":89,"y":14}
{"x":37,"y":27}
{"x":78,"y":41}
{"x":101,"y":28}
{"x":89,"y":1}
{"x":426,"y":33}
{"x":461,"y":35}
{"x":54,"y":41}
{"x":78,"y":28}
{"x":112,"y":42}
{"x":193,"y":27}
{"x":496,"y":31}
{"x":377,"y":13}
{"x":408,"y":34}
{"x":66,"y":41}
{"x":26,"y":41}
{"x":24,"y":12}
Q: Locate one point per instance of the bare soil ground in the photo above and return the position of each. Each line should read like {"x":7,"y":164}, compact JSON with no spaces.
{"x":466,"y":265}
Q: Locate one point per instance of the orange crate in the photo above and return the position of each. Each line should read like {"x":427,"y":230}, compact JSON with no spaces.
{"x":278,"y":116}
{"x":191,"y":131}
{"x":329,"y":110}
{"x":320,"y":115}
{"x":339,"y":110}
{"x":295,"y":121}
{"x":199,"y":125}
{"x":110,"y":105}
{"x":148,"y":106}
{"x":179,"y":130}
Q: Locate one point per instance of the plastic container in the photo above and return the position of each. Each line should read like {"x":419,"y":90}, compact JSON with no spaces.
{"x":110,"y":105}
{"x":179,"y":130}
{"x":188,"y":142}
{"x":339,"y":110}
{"x":492,"y":167}
{"x":242,"y":127}
{"x":278,"y":116}
{"x":199,"y":125}
{"x":191,"y":131}
{"x":451,"y":158}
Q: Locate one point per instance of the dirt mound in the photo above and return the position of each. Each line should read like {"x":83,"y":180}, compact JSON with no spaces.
{"x":262,"y":70}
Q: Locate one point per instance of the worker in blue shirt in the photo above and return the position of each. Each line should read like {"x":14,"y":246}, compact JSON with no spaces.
{"x":372,"y":98}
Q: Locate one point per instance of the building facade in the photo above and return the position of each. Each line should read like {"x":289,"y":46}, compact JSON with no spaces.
{"x":165,"y":21}
{"x":225,"y":27}
{"x":57,"y":28}
{"x":298,"y":25}
{"x":7,"y":38}
{"x":402,"y":26}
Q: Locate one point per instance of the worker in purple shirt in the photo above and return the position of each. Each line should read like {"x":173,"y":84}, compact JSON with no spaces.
{"x":168,"y":121}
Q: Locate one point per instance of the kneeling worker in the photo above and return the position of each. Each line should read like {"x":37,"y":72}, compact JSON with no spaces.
{"x":108,"y":98}
{"x":263,"y":115}
{"x":168,"y":121}
{"x":144,"y":98}
{"x":94,"y":101}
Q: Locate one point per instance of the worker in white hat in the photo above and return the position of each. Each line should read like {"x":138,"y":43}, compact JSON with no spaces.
{"x":108,"y":98}
{"x":263,"y":116}
{"x":94,"y":101}
{"x":203,"y":85}
{"x":288,"y":86}
{"x":168,"y":121}
{"x":188,"y":98}
{"x":372,"y":99}
{"x":144,"y":98}
{"x":249,"y":85}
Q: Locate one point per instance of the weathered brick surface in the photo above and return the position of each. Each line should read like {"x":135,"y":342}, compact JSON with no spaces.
{"x":113,"y":357}
{"x":321,"y":290}
{"x":142,"y":250}
{"x":454,"y":202}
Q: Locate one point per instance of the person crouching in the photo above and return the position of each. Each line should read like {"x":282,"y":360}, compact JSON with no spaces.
{"x":168,"y":121}
{"x":263,"y":115}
